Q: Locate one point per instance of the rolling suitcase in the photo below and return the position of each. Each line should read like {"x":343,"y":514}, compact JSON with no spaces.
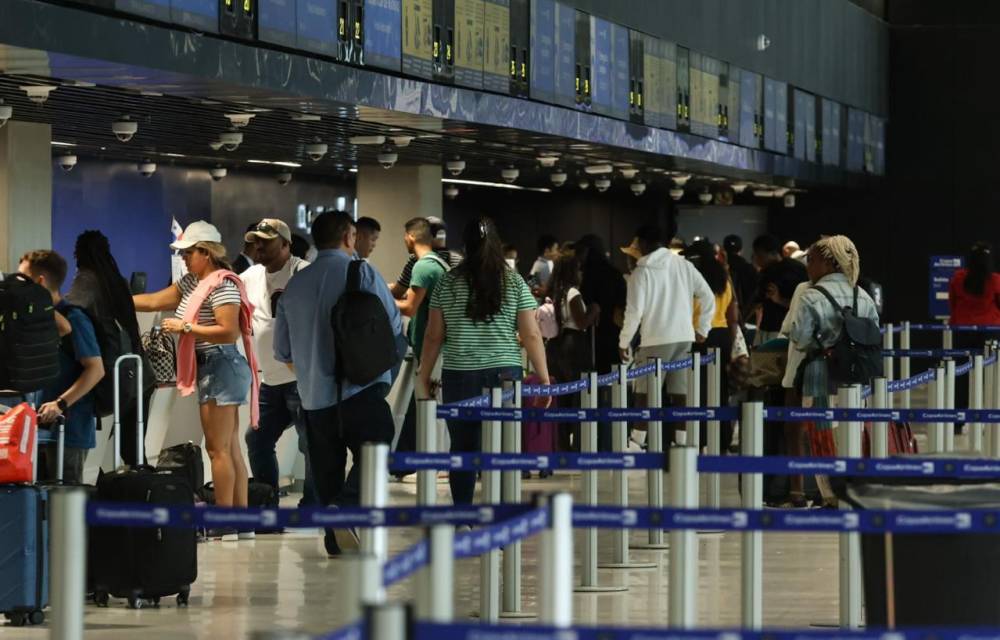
{"x":142,"y":564}
{"x":24,"y":575}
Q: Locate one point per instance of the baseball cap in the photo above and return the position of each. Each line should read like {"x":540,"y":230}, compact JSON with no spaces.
{"x":632,"y":250}
{"x":198,"y":231}
{"x":269,"y":229}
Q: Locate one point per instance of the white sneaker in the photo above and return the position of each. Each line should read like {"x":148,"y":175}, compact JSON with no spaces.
{"x":230,"y":537}
{"x":247,"y":535}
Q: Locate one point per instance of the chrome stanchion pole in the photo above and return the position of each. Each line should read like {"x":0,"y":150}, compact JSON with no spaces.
{"x":888,"y":362}
{"x":949,"y":399}
{"x":555,"y":595}
{"x":936,"y":400}
{"x":388,"y":621}
{"x":375,"y":493}
{"x":511,"y":494}
{"x":654,"y":441}
{"x":489,"y":563}
{"x":693,"y":427}
{"x":752,"y":567}
{"x":976,"y":402}
{"x":427,"y":443}
{"x":880,"y":430}
{"x":850,"y":543}
{"x":365,"y":586}
{"x":69,"y":557}
{"x":714,"y":399}
{"x":619,"y":477}
{"x":988,"y":401}
{"x":683,"y":612}
{"x":948,"y":340}
{"x":435,"y":600}
{"x":588,"y":441}
{"x":904,"y":364}
{"x":993,"y":429}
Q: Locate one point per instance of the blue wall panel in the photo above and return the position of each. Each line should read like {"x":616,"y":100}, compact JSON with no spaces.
{"x":202,"y":15}
{"x":276,"y":22}
{"x":155,"y":9}
{"x":317,"y":26}
{"x":383,"y":33}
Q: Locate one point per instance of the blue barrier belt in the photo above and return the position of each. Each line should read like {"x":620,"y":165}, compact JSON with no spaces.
{"x":955,"y":327}
{"x":668,"y":414}
{"x":354,"y":631}
{"x":479,"y":541}
{"x":478,"y":631}
{"x":868,"y":467}
{"x":522,"y":461}
{"x":406,"y":563}
{"x":932,"y":353}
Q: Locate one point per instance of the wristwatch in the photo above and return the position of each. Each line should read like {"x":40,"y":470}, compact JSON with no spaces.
{"x":187,"y":327}
{"x":62,"y":404}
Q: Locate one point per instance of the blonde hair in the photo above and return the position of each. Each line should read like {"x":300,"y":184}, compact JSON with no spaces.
{"x":842,"y":252}
{"x":216,"y":252}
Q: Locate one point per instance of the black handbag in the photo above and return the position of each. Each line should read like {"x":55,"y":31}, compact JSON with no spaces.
{"x":162,"y":355}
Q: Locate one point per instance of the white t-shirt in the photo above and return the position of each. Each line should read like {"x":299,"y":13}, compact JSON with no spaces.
{"x":263,"y":290}
{"x":568,"y":322}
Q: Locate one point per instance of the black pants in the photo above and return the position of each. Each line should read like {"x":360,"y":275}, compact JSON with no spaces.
{"x":366,"y":418}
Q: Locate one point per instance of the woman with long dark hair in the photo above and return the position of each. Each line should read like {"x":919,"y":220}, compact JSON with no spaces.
{"x":974,"y":298}
{"x":478,"y":310}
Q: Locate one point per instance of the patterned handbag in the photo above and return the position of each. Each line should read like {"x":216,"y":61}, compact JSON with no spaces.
{"x":162,"y":354}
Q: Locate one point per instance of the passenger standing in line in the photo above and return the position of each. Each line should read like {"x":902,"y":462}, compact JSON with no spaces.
{"x":510,"y":256}
{"x":440,"y":234}
{"x":101,"y":289}
{"x":974,"y":298}
{"x":603,"y":285}
{"x":541,"y":270}
{"x":743,"y":275}
{"x":248,"y":256}
{"x":280,"y":406}
{"x":778,"y":278}
{"x":338,"y":417}
{"x":477,"y":312}
{"x":661,"y":294}
{"x":211,"y":312}
{"x":300,"y":247}
{"x":368,"y":230}
{"x":80,"y":369}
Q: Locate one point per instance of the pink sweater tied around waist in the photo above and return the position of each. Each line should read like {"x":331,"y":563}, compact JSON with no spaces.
{"x":186,"y":362}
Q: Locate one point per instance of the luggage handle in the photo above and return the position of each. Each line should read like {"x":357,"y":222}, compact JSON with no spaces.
{"x":60,"y":439}
{"x":140,"y":418}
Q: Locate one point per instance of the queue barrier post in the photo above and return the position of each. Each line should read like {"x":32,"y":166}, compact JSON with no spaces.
{"x":654,"y":442}
{"x":619,"y":477}
{"x":436,"y":595}
{"x":489,"y":563}
{"x":948,"y":338}
{"x":949,"y":399}
{"x":849,"y":445}
{"x":988,"y":401}
{"x":904,"y":364}
{"x":976,"y":402}
{"x":936,"y":436}
{"x":427,"y":443}
{"x":588,"y":442}
{"x":752,"y":497}
{"x":880,"y":430}
{"x":511,"y":493}
{"x":68,"y":557}
{"x":683,"y":611}
{"x":375,"y":493}
{"x":994,"y":428}
{"x":888,"y":362}
{"x":693,"y":427}
{"x":388,"y":621}
{"x":365,"y":586}
{"x":713,"y":430}
{"x":555,"y":595}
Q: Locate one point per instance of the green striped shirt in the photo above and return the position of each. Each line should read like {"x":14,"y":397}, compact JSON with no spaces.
{"x":470,"y":345}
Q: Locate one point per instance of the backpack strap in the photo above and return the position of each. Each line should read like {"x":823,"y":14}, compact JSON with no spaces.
{"x":354,"y":276}
{"x":440,"y":261}
{"x":833,"y":301}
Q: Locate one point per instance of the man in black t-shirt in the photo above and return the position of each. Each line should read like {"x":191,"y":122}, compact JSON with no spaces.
{"x":743,"y":274}
{"x":778,"y":278}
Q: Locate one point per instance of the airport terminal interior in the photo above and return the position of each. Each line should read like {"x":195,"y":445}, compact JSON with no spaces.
{"x":680,"y":311}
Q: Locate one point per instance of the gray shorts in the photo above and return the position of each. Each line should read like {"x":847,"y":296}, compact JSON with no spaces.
{"x":674,"y":382}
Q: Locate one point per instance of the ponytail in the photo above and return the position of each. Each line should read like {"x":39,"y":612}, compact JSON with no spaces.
{"x":484,"y":270}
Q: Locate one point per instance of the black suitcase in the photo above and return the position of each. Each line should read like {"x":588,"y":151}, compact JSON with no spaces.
{"x":141,"y":563}
{"x":183,"y":460}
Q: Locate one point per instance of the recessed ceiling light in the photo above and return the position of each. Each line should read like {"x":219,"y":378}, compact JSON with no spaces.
{"x":63,"y":144}
{"x":306,"y":117}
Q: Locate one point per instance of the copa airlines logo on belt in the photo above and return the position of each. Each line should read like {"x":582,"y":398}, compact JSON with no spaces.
{"x":543,"y":462}
{"x":486,"y":514}
{"x":959,"y":521}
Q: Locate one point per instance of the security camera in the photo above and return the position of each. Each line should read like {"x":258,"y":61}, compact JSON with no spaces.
{"x":240,"y":120}
{"x":231,"y":140}
{"x":316,"y":151}
{"x":739,"y":187}
{"x":780,"y":192}
{"x":629,"y":173}
{"x":602,"y":184}
{"x":583,"y":184}
{"x":705,"y":197}
{"x":38,"y":93}
{"x":147,"y":169}
{"x":548,"y":161}
{"x":215,"y":145}
{"x":558,"y":178}
{"x":676,"y":193}
{"x":125,"y":129}
{"x":6,"y":113}
{"x":451,"y":191}
{"x":681,"y":179}
{"x":509,"y":174}
{"x":218,"y":173}
{"x":789,"y":200}
{"x":638,"y":188}
{"x":455,"y":167}
{"x":67,"y":162}
{"x":387,"y":156}
{"x":284,"y":177}
{"x":402,"y":141}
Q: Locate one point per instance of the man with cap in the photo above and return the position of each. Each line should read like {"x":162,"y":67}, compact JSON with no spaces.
{"x":439,"y":231}
{"x":280,"y":406}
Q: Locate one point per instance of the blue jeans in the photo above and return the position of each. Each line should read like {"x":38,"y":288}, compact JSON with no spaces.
{"x":223,"y":375}
{"x":466,"y":437}
{"x":280,"y":408}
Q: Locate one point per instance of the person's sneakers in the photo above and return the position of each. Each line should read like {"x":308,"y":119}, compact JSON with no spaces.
{"x":226,"y":534}
{"x":341,"y":541}
{"x":247,"y":535}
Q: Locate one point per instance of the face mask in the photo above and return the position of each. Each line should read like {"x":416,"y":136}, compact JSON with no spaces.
{"x":511,"y":263}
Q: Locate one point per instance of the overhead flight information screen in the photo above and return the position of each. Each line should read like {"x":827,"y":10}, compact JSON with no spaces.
{"x":383,"y":36}
{"x":600,"y":64}
{"x":496,"y":45}
{"x":543,"y":50}
{"x":565,"y":56}
{"x":470,"y":21}
{"x":418,"y":43}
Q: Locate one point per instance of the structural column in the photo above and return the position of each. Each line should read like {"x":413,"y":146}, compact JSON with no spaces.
{"x":25,"y":190}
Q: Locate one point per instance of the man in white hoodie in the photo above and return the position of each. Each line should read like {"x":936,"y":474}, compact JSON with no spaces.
{"x":660,"y":306}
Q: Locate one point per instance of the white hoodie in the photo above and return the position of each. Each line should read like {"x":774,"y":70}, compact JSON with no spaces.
{"x":661,"y":293}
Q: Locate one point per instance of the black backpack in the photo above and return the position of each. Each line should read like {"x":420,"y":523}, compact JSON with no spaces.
{"x":856,"y":356}
{"x":362,"y":334}
{"x":113,"y":341}
{"x":29,"y":339}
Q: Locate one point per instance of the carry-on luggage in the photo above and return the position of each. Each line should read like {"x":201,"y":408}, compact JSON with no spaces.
{"x":141,"y":564}
{"x":538,"y":437}
{"x":183,"y":460}
{"x":24,"y":574}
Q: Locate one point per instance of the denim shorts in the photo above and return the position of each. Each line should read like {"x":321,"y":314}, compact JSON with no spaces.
{"x":223,"y":375}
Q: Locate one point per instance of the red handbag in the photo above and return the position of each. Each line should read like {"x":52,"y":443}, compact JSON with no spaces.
{"x":18,"y":431}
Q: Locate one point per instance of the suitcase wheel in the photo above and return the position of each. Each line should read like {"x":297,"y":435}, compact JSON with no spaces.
{"x":135,"y":601}
{"x":182,"y":598}
{"x":17,"y":619}
{"x":101,"y":598}
{"x":36,"y":617}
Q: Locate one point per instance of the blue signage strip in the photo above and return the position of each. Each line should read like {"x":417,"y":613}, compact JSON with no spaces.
{"x":276,"y":22}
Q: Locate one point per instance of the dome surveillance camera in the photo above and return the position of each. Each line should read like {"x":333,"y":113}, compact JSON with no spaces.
{"x":509,"y":174}
{"x":676,"y":193}
{"x":402,"y":141}
{"x":451,"y":191}
{"x":125,"y":129}
{"x":284,"y":177}
{"x":231,"y":140}
{"x":583,"y":184}
{"x":739,"y":187}
{"x":387,"y":156}
{"x":240,"y":119}
{"x":316,"y":151}
{"x":6,"y":113}
{"x":147,"y":169}
{"x":789,"y":200}
{"x":628,"y":173}
{"x":67,"y":162}
{"x":558,"y":178}
{"x":638,"y":188}
{"x":38,"y":93}
{"x":216,"y":145}
{"x":455,"y":167}
{"x":602,"y":184}
{"x":705,"y":197}
{"x":548,"y":161}
{"x":218,"y":173}
{"x":681,"y":179}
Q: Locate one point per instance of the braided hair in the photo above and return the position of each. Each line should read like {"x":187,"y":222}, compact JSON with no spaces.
{"x":843,"y":254}
{"x":93,"y":253}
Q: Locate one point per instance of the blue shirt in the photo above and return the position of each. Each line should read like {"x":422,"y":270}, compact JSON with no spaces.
{"x":81,"y":418}
{"x":302,"y":331}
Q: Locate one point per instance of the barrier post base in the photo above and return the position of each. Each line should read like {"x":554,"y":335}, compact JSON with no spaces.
{"x":627,"y":565}
{"x":603,"y":588}
{"x":649,"y":546}
{"x":518,"y":615}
